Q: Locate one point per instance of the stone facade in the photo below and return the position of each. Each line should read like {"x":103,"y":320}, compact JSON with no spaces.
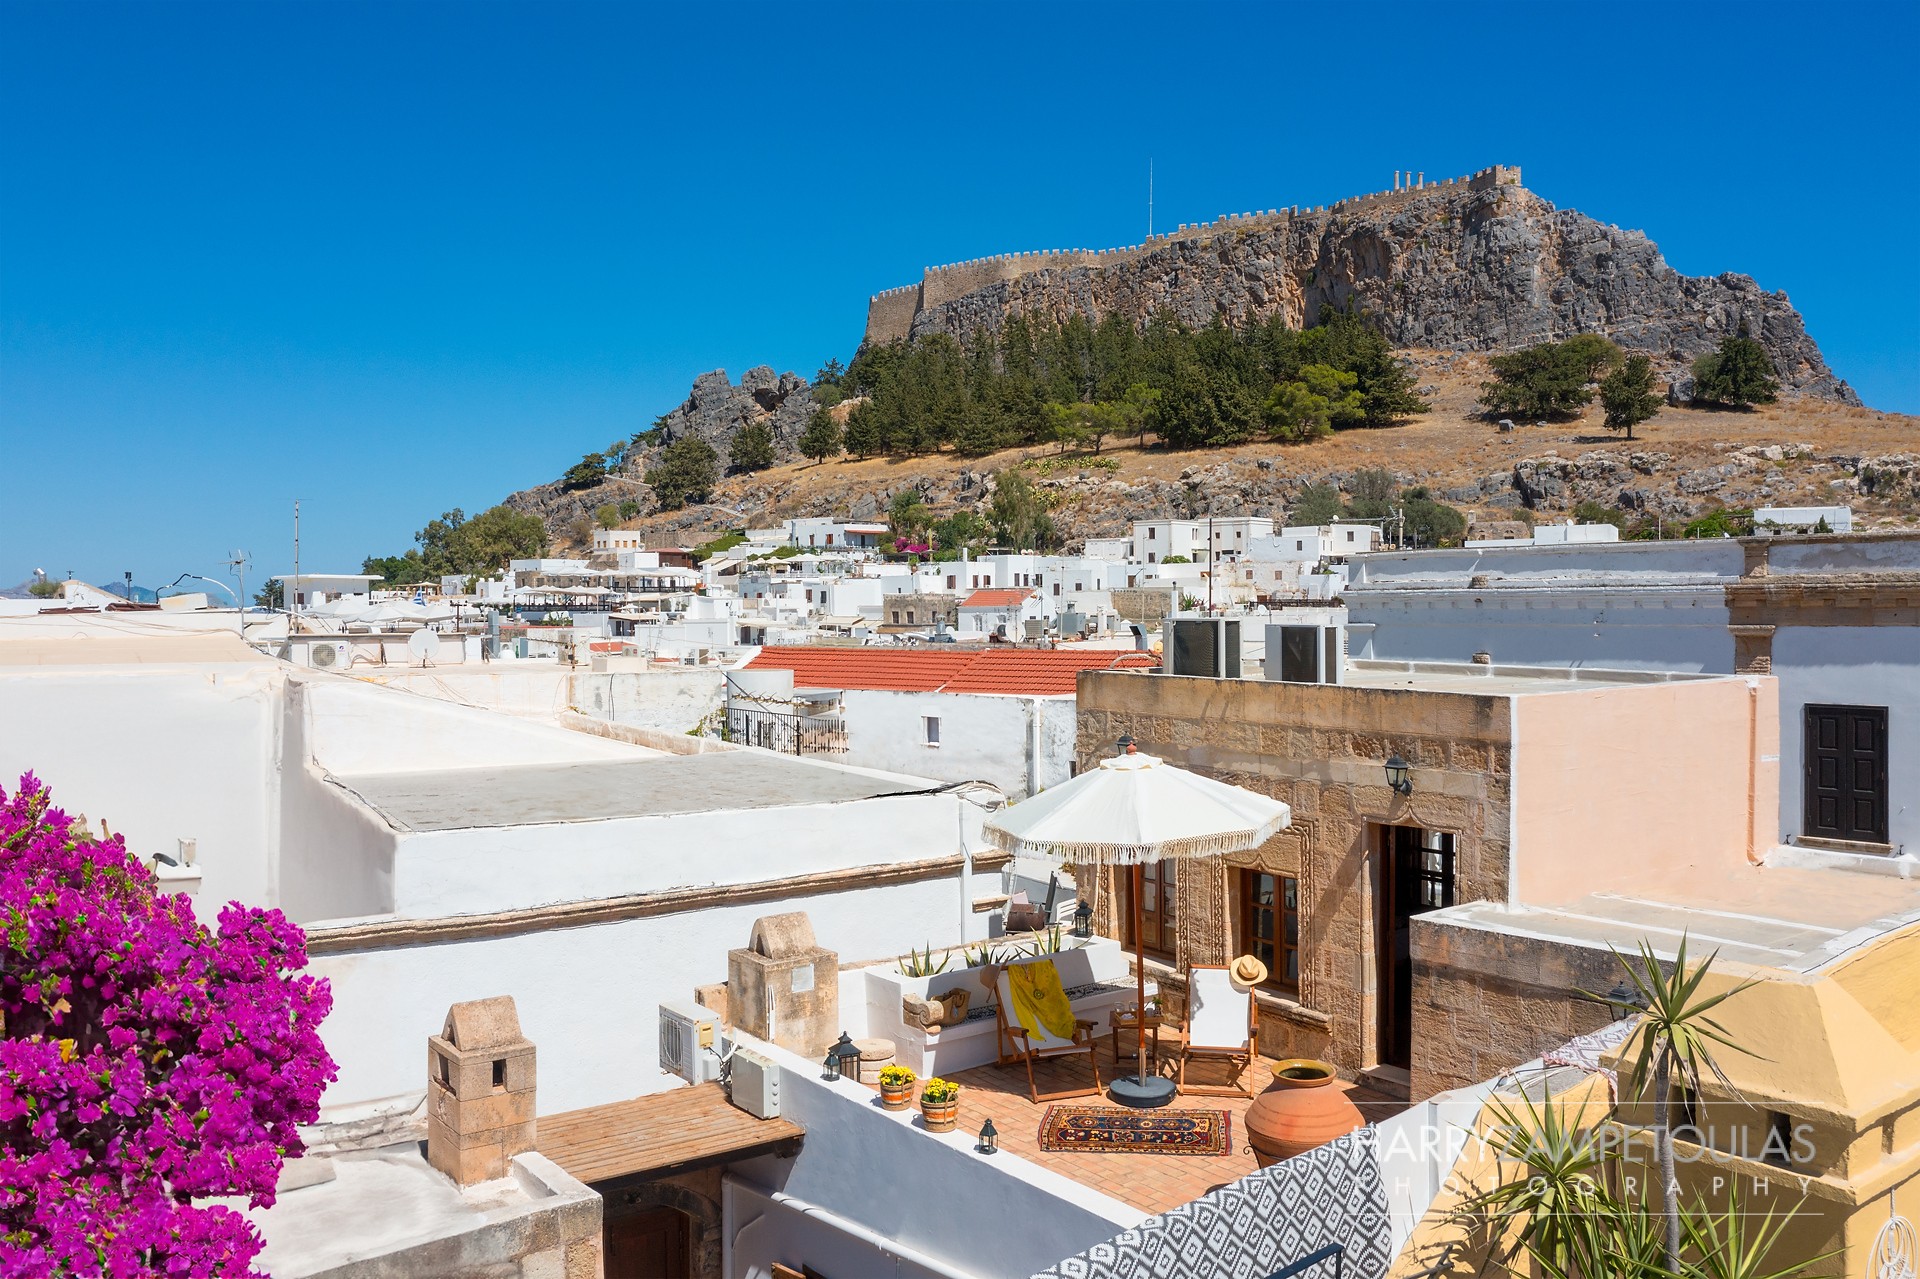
{"x":1321,"y":750}
{"x":1485,"y":1001}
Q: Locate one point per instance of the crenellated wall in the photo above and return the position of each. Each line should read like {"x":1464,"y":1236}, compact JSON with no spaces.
{"x":890,"y":314}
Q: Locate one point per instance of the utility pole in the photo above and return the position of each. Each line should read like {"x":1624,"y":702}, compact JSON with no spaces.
{"x":1149,"y":197}
{"x":292,"y":596}
{"x":1209,"y":563}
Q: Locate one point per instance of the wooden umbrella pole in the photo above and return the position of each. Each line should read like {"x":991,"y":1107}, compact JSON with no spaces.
{"x":1140,"y":978}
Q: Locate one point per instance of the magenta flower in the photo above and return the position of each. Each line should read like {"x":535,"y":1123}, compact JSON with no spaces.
{"x":146,"y":1061}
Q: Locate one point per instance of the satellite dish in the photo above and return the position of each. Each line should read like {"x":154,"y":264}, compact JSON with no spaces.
{"x":423,"y":645}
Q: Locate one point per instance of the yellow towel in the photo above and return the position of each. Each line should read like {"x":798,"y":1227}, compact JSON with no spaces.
{"x":1038,"y":999}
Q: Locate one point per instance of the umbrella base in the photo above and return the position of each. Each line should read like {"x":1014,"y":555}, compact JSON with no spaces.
{"x":1142,"y":1093}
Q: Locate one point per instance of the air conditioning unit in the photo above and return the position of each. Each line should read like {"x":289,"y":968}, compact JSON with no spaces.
{"x":330,"y":656}
{"x":754,"y":1084}
{"x":1205,"y":646}
{"x":1300,"y":654}
{"x":687,"y":1033}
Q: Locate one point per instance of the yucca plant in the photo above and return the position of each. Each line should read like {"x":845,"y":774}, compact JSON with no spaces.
{"x":1730,"y":1247}
{"x":1546,"y":1209}
{"x":1676,"y":1036}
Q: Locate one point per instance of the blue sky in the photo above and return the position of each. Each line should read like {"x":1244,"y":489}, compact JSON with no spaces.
{"x":392,"y":259}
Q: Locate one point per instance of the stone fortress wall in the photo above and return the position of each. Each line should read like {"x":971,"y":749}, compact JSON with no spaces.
{"x":890,"y":314}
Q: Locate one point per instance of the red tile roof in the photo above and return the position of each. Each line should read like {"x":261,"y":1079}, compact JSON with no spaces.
{"x":997,"y":597}
{"x":1023,"y":672}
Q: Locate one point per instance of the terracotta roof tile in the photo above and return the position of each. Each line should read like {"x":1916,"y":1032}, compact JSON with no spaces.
{"x":997,"y":597}
{"x":1031,"y":672}
{"x":1023,"y":672}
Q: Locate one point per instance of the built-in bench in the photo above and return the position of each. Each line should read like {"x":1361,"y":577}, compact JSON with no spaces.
{"x":1095,"y":973}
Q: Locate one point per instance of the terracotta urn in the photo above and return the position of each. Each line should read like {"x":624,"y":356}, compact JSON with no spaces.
{"x":1299,"y":1111}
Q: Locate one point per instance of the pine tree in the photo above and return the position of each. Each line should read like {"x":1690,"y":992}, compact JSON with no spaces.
{"x":822,"y":438}
{"x":1740,"y":374}
{"x":1627,"y":394}
{"x":752,"y":448}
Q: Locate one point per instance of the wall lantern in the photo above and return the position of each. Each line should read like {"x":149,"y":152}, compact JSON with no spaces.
{"x":1083,"y":920}
{"x":989,"y":1138}
{"x":843,"y":1060}
{"x":1624,"y":1001}
{"x":1397,"y":776}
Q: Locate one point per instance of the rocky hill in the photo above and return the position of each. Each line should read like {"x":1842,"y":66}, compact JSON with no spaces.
{"x":1682,"y":464}
{"x":1470,"y":264}
{"x":1449,"y":270}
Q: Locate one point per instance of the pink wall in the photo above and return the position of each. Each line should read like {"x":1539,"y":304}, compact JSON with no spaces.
{"x":1643,"y":786}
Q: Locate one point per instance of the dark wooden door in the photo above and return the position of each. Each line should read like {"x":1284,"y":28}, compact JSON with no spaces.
{"x":1846,"y":773}
{"x":1416,"y":873}
{"x":654,"y":1244}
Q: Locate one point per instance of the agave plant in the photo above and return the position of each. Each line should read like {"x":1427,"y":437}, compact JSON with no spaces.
{"x":919,"y":963}
{"x":986,"y":954}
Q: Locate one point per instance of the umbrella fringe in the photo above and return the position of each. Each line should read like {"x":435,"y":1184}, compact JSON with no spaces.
{"x":1218,"y":844}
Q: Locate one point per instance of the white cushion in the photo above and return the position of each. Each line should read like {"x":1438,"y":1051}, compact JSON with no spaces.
{"x":1217,"y":1014}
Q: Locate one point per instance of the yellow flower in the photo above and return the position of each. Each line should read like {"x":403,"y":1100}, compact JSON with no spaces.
{"x":69,"y":1051}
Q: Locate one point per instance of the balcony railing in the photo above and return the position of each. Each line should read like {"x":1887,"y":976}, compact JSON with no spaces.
{"x":789,"y":732}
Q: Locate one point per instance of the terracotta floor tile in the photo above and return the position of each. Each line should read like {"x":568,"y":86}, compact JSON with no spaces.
{"x":1152,"y":1183}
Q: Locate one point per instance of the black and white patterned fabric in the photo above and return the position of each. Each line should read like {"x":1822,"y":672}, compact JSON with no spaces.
{"x":1261,"y":1224}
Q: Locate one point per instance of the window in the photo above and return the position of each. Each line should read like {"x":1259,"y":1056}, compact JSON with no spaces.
{"x":1152,"y":534}
{"x":1158,"y":884}
{"x":1270,"y":925}
{"x":896,"y":617}
{"x":1056,"y":588}
{"x":952,"y":581}
{"x":1845,"y":783}
{"x":909,"y":617}
{"x":933,"y":729}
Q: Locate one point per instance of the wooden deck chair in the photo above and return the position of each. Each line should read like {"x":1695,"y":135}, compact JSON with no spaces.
{"x":1017,"y":1042}
{"x":1220,"y":1026}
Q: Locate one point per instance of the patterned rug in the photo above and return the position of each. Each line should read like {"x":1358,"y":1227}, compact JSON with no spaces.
{"x":1112,"y":1130}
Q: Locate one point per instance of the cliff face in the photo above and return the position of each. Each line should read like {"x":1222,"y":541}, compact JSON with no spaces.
{"x":716,"y":409}
{"x":1472,"y":264}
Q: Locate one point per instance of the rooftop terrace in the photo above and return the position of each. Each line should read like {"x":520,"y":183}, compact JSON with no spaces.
{"x":538,"y":794}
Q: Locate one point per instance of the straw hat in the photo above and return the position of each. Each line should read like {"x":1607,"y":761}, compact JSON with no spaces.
{"x":1247,"y":972}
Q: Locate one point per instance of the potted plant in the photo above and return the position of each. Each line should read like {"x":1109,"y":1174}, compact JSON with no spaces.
{"x":940,"y":1105}
{"x":896,"y":1087}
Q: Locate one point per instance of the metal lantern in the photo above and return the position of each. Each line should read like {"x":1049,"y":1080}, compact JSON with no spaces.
{"x":843,"y":1060}
{"x":1624,"y":1001}
{"x":1083,"y":920}
{"x":989,"y":1138}
{"x":1397,"y":776}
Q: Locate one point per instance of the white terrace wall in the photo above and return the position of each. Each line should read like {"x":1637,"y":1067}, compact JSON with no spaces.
{"x":160,"y":753}
{"x":356,"y":729}
{"x":499,"y":868}
{"x":337,"y":855}
{"x":590,"y":996}
{"x":1020,"y":744}
{"x":928,"y":1197}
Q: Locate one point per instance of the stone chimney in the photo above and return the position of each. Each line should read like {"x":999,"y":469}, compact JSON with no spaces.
{"x":783,"y":988}
{"x":480,"y":1080}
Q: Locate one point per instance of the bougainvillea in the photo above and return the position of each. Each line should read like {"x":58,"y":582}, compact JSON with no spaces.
{"x":146,"y":1061}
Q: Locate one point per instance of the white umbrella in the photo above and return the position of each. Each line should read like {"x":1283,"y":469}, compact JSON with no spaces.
{"x":1131,"y":810}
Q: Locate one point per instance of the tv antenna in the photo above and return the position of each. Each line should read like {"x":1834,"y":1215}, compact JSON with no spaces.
{"x":237,"y":562}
